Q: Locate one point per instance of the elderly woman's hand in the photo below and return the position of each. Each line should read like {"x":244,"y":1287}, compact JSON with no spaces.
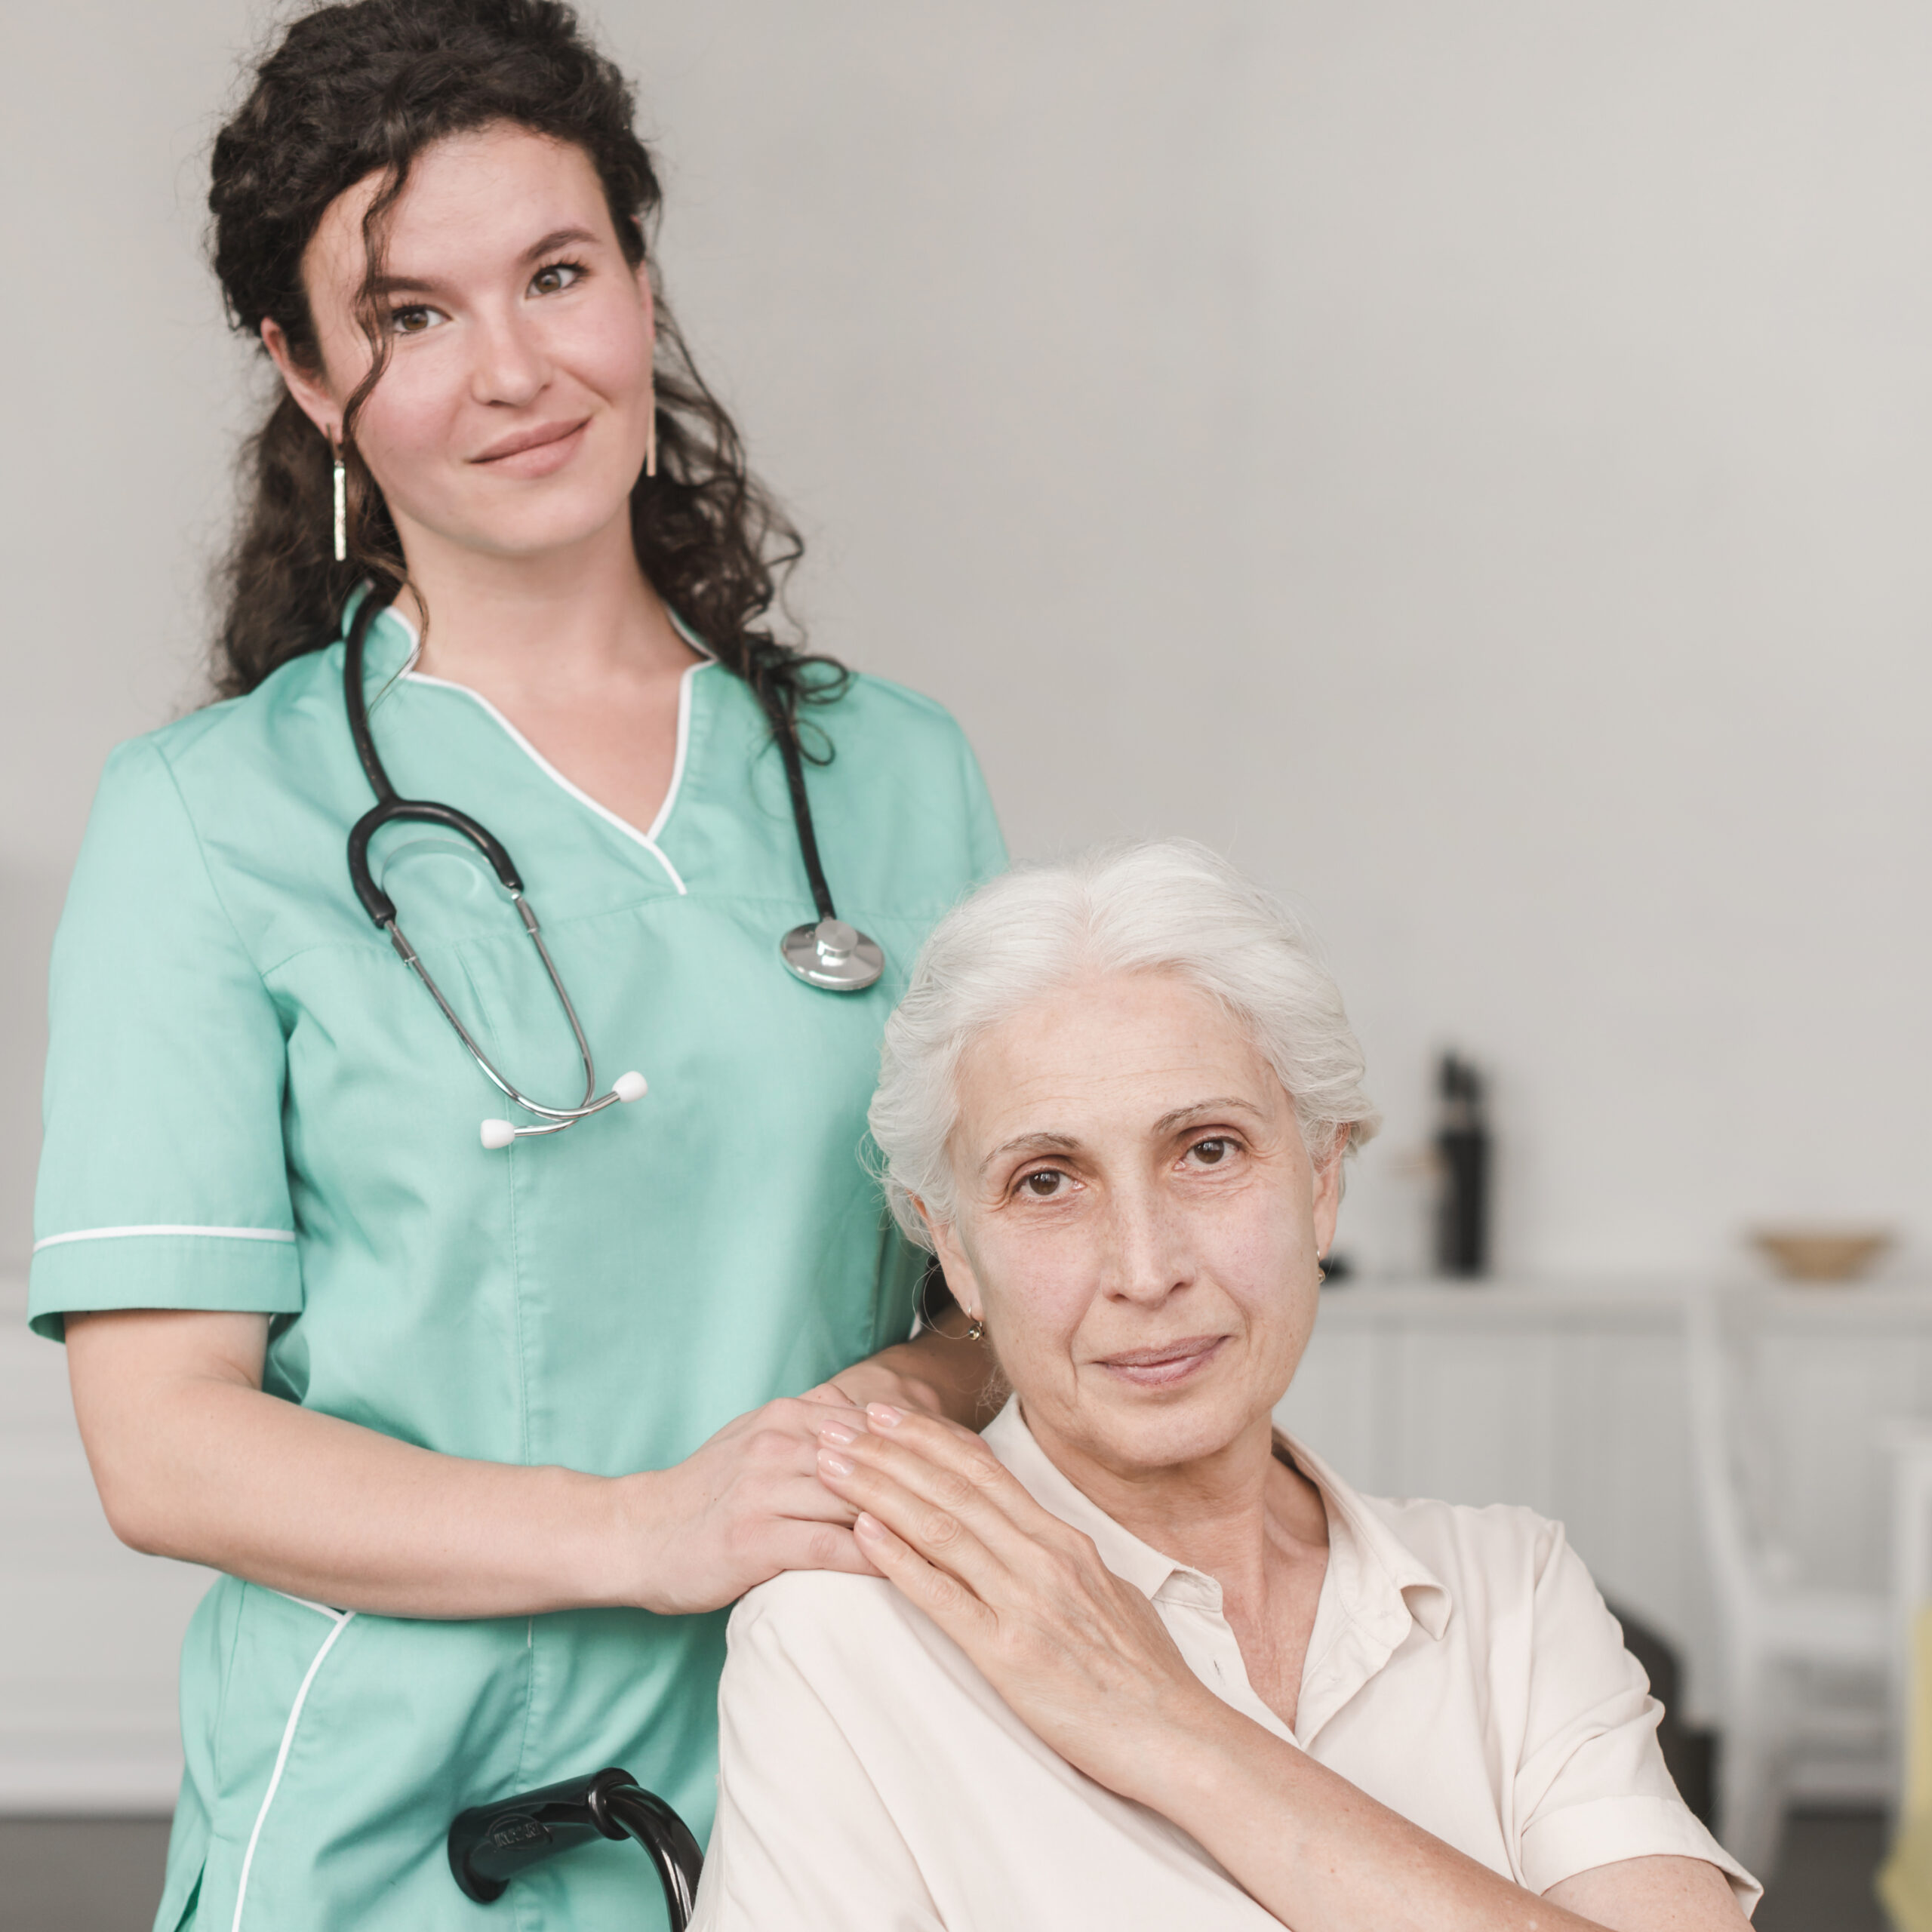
{"x":1080,"y":1656}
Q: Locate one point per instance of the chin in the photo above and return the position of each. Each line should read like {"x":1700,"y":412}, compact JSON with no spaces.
{"x":1157,"y":1435}
{"x":536,"y":529}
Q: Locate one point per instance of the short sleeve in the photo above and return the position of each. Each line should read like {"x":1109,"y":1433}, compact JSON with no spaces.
{"x":1591,"y":1788}
{"x":781,"y":1860}
{"x":163,"y":1181}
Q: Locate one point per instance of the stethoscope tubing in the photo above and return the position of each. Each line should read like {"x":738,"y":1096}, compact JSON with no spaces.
{"x":831,"y":955}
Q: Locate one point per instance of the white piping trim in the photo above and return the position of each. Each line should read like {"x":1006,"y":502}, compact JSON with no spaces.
{"x":684,"y":745}
{"x":165,"y":1227}
{"x":343,"y":1620}
{"x":320,"y":1609}
{"x":647,"y":839}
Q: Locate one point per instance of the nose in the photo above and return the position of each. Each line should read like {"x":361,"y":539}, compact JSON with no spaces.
{"x":508,"y":365}
{"x":1149,"y":1259}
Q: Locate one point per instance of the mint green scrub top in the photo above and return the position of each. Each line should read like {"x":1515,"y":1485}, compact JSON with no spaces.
{"x":251,"y":1104}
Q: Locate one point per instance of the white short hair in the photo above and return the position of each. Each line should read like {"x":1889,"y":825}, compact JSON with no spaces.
{"x":1163,"y":906}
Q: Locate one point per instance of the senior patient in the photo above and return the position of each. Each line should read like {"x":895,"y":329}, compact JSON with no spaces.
{"x":1135,"y":1659}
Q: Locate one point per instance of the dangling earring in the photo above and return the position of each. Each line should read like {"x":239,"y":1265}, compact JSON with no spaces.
{"x":341,"y":480}
{"x":650,"y":437}
{"x":975,"y":1329}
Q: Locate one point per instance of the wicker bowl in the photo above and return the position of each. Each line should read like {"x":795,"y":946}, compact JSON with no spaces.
{"x":1821,"y":1254}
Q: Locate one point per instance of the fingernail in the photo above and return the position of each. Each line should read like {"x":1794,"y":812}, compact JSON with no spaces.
{"x":866,"y":1526}
{"x":884,"y":1414}
{"x":836,"y":1431}
{"x":836,"y":1465}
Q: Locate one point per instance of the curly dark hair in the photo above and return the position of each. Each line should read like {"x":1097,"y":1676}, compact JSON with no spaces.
{"x":359,"y":90}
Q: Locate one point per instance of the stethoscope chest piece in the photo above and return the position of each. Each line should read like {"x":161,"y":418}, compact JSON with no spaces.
{"x":833,"y":956}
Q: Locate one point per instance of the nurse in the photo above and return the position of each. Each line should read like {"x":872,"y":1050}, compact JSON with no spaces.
{"x":483,"y":1439}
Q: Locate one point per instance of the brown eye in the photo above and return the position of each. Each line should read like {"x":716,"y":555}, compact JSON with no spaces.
{"x":558,"y":276}
{"x":410,"y":322}
{"x":1212,"y":1152}
{"x":1043,"y":1186}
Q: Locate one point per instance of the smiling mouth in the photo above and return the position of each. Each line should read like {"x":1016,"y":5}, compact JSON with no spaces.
{"x":531,"y":439}
{"x":1165,"y":1364}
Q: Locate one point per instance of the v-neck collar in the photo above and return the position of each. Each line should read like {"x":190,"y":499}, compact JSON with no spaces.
{"x":648,"y":838}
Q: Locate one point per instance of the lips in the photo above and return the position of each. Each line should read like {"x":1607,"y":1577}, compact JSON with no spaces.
{"x":539,"y":436}
{"x":1162,"y":1364}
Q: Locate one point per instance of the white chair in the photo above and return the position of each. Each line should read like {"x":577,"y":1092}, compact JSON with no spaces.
{"x":1801,"y":1665}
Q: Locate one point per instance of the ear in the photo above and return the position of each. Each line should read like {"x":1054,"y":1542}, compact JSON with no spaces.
{"x":311,"y":391}
{"x":960,"y":1278}
{"x":1328,"y":1192}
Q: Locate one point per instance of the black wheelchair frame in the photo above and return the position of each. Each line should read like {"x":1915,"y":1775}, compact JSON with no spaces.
{"x":490,"y":1844}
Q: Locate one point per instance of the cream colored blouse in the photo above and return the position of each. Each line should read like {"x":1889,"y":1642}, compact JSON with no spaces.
{"x":1462,"y":1669}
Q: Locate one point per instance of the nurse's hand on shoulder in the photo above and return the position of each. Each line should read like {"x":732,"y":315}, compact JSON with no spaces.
{"x":746,"y":1505}
{"x":879,"y":1381}
{"x":749,"y":1503}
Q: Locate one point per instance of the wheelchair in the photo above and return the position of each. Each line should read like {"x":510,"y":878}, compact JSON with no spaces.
{"x":489,"y":1844}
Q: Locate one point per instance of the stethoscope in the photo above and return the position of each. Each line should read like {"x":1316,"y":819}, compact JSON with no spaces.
{"x":828,"y":953}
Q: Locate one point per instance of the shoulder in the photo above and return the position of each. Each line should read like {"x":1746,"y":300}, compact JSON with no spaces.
{"x":1517,"y":1587}
{"x":898,"y":703}
{"x":1498,"y":1547}
{"x":1494,"y":1540}
{"x":241,"y":777}
{"x":1495,"y":1562}
{"x":227,"y":738}
{"x":900,"y":802}
{"x":820,"y":1615}
{"x":852,"y":1640}
{"x":886,"y":717}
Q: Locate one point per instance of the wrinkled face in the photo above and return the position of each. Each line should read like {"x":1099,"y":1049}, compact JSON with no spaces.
{"x":1139,"y":1219}
{"x":512,"y":417}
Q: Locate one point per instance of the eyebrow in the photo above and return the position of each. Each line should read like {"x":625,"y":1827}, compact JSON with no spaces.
{"x":558,"y":237}
{"x":1168,"y":1123}
{"x":1226,"y":1103}
{"x":1030,"y":1144}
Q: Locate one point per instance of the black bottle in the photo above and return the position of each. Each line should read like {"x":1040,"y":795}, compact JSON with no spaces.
{"x":1462,"y":1147}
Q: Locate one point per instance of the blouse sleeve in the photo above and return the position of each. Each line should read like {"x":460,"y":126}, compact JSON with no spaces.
{"x":803,"y":1842}
{"x":163,"y":1182}
{"x":1591,"y":1786}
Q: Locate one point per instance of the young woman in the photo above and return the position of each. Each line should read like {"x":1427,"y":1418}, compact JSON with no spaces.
{"x":484,"y":1429}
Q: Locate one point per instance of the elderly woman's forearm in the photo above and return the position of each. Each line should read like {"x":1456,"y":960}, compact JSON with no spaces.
{"x":1322,"y":1856}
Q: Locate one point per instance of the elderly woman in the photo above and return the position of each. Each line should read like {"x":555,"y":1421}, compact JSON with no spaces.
{"x":1135,"y":1659}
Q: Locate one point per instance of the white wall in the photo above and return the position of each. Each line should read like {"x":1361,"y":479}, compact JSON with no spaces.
{"x":1473,"y":463}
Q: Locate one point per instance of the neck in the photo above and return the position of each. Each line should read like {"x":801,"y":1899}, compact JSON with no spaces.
{"x":1235,"y":1513}
{"x":575,"y":617}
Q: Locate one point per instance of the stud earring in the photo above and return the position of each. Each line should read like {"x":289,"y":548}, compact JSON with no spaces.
{"x":341,"y":485}
{"x":975,"y":1329}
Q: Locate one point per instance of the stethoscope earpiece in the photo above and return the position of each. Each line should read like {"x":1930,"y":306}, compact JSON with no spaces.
{"x":497,"y":1134}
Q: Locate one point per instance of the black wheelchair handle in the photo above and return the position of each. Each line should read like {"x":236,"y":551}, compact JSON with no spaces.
{"x":489,"y":1844}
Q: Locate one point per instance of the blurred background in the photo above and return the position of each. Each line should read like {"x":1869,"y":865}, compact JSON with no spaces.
{"x":1470,"y":464}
